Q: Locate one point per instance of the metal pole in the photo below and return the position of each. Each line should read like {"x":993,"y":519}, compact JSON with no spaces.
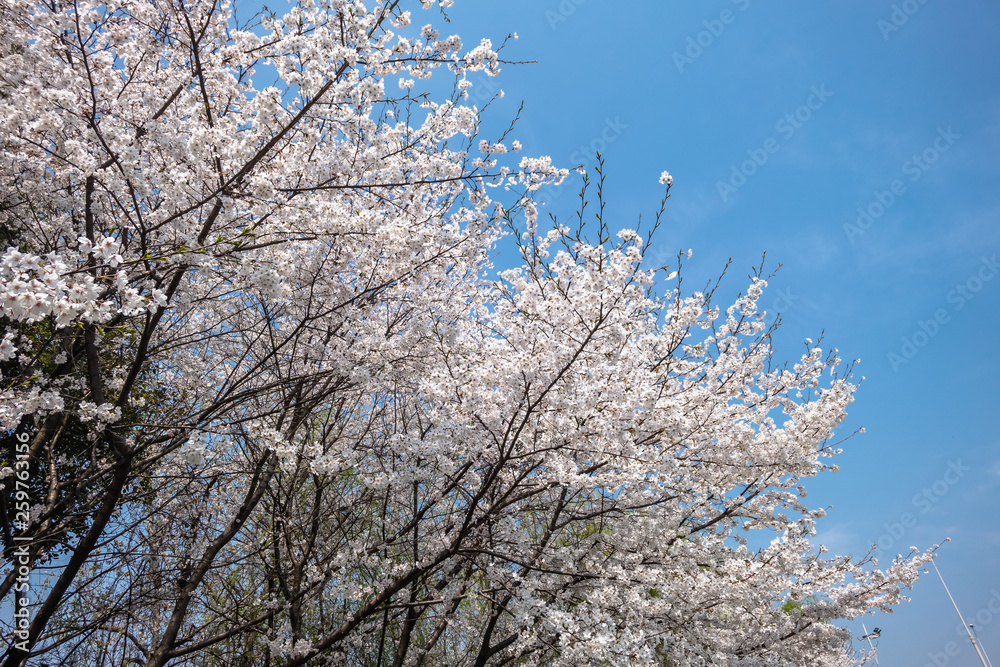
{"x":868,"y":637}
{"x":964,"y":624}
{"x":988,"y":661}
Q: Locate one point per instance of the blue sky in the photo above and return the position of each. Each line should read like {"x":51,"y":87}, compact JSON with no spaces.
{"x":893,"y":109}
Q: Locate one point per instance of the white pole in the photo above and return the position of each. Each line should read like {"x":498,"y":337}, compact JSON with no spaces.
{"x":964,"y":624}
{"x":983,"y":648}
{"x":868,"y":637}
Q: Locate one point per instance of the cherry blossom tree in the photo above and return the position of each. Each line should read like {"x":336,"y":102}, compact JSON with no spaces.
{"x":266,"y":401}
